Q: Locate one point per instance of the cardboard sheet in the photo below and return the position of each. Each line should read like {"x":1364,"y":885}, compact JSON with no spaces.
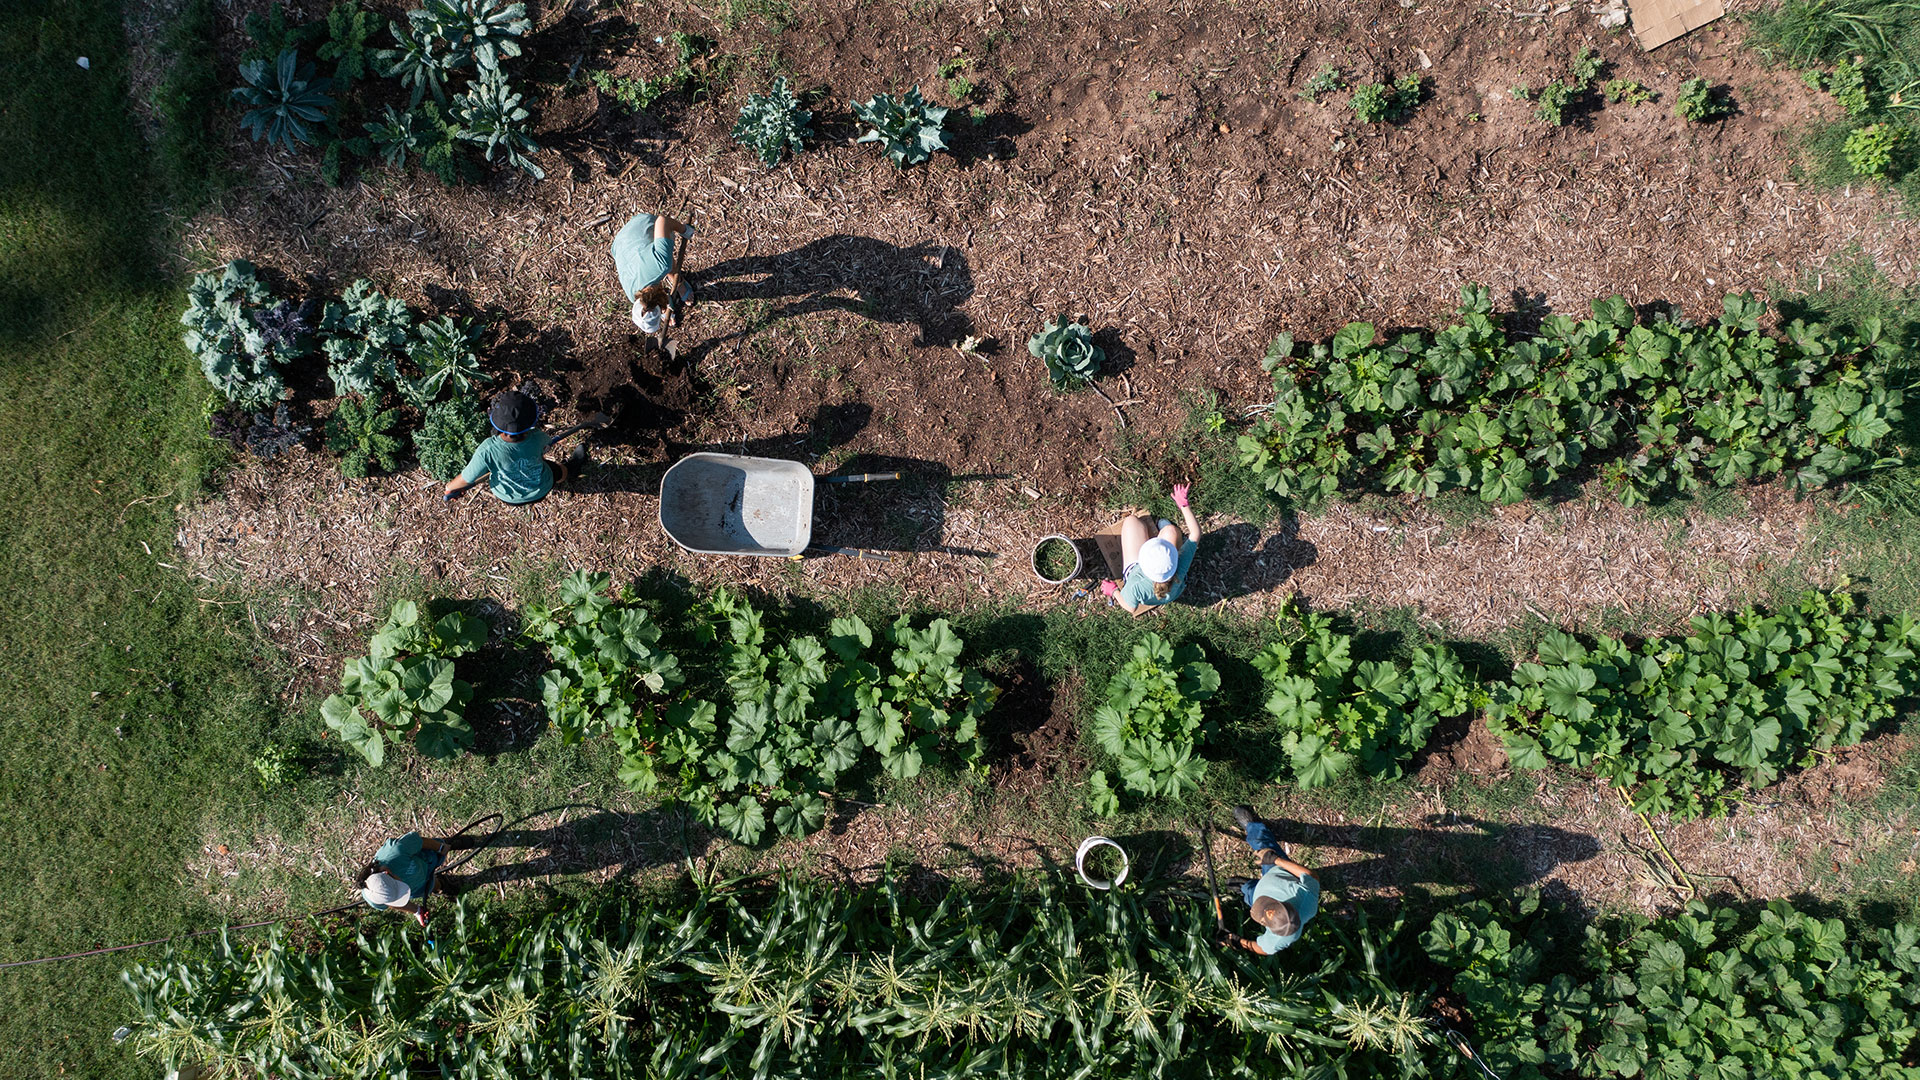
{"x":1656,"y":22}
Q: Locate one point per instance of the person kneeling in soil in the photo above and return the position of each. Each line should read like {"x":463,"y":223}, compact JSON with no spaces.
{"x":648,"y":252}
{"x":510,"y":461}
{"x":401,"y":873}
{"x":1283,"y":899}
{"x":1155,"y":567}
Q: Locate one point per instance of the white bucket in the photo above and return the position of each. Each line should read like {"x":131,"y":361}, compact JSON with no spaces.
{"x":1090,"y":844}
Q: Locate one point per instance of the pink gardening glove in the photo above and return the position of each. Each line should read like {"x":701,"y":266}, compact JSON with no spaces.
{"x":1180,"y":494}
{"x":1109,"y":587}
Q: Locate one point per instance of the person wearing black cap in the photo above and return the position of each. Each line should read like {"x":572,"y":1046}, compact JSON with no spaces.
{"x":511,"y":462}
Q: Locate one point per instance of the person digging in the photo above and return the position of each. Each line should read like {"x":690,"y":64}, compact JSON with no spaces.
{"x":1154,"y":567}
{"x":648,"y":253}
{"x":401,"y":874}
{"x":510,"y":461}
{"x":1283,"y":899}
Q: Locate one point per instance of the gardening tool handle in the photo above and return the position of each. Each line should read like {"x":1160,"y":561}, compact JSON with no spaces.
{"x":877,"y":556}
{"x":1213,"y":883}
{"x":861,"y":478}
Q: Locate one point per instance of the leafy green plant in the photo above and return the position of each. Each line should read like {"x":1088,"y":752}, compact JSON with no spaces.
{"x":442,"y":351}
{"x":689,"y":75}
{"x":420,"y":61}
{"x":1336,"y":713}
{"x":1585,"y":67}
{"x":609,"y":674}
{"x":1680,"y":406}
{"x":1626,"y":91}
{"x":449,"y":434}
{"x":1067,"y":348}
{"x":349,"y":28}
{"x":906,"y":127}
{"x":395,"y":135}
{"x":241,"y":335}
{"x":1698,"y":101}
{"x":271,"y":34}
{"x":773,"y":123}
{"x":404,"y":687}
{"x":362,"y":335}
{"x":477,"y":33}
{"x":283,"y":101}
{"x":1551,"y":104}
{"x":1847,"y":82}
{"x":1675,"y":721}
{"x":490,"y":116}
{"x":277,"y":766}
{"x":1869,"y":150}
{"x":1391,"y":103}
{"x":1325,"y":81}
{"x":1153,"y":718}
{"x":359,"y":432}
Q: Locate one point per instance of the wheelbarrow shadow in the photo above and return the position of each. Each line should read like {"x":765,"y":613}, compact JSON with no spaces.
{"x":904,"y":515}
{"x":923,"y":284}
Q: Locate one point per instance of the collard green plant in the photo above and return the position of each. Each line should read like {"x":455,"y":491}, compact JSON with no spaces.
{"x":360,"y":432}
{"x":1869,"y":150}
{"x":285,"y":101}
{"x":442,"y":351}
{"x":1388,"y":103}
{"x":1676,"y":723}
{"x":362,"y":335}
{"x":1337,"y":713}
{"x":404,"y":687}
{"x":1152,"y":720}
{"x":1678,"y":406}
{"x":1067,"y":348}
{"x":449,"y":434}
{"x":1700,"y":102}
{"x":239,"y":332}
{"x":906,"y":127}
{"x":490,"y":116}
{"x":773,"y":123}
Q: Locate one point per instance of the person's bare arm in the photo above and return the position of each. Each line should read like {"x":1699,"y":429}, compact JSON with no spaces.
{"x":1292,"y":867}
{"x":1192,"y":525}
{"x":455,"y":486}
{"x":663,"y":226}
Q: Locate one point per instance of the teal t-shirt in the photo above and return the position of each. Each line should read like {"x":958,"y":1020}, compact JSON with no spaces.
{"x":405,"y":858}
{"x":1138,"y":590}
{"x":1304,"y":894}
{"x":640,"y":258}
{"x":515,"y":471}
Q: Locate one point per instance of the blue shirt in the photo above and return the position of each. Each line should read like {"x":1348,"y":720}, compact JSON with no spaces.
{"x":515,"y":471}
{"x":1304,"y":895}
{"x":1137,"y":590}
{"x":407,"y":859}
{"x":639,"y":258}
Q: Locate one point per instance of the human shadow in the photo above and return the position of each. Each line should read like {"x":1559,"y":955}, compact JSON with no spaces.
{"x":629,"y":843}
{"x":908,"y":514}
{"x":830,"y":427}
{"x":923,"y":284}
{"x":1237,"y":560}
{"x":1486,"y":857}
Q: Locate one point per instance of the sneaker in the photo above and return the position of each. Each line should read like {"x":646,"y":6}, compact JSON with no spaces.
{"x":1244,"y":816}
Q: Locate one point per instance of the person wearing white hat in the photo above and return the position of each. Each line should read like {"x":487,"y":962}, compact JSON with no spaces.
{"x":1155,"y":566}
{"x":401,"y":873}
{"x":648,"y":253}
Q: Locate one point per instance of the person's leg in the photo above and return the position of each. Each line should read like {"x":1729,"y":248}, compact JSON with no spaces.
{"x":559,"y":470}
{"x":1171,"y":534}
{"x":1133,"y":536}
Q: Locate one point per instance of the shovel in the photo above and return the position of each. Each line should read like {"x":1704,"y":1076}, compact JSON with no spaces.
{"x":1213,"y":883}
{"x":596,"y":422}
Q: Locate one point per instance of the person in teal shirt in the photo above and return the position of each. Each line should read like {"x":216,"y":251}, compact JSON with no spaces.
{"x":648,"y":253}
{"x":1155,"y":567}
{"x":401,"y":873}
{"x":510,"y":460}
{"x":1283,"y":899}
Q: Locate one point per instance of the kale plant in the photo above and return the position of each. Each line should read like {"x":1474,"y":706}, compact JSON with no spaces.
{"x":1067,"y":348}
{"x":1377,"y":102}
{"x":448,"y":436}
{"x":364,"y":332}
{"x":224,"y":332}
{"x":907,"y":127}
{"x":442,"y":351}
{"x":395,"y":135}
{"x":490,"y":115}
{"x":773,"y":123}
{"x":349,"y":28}
{"x":271,"y":34}
{"x":472,"y":32}
{"x":419,"y":62}
{"x":405,"y":687}
{"x":264,"y":434}
{"x":359,"y":432}
{"x":284,"y":101}
{"x":1699,"y":102}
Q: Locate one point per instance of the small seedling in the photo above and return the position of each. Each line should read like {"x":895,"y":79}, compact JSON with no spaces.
{"x":1378,"y":102}
{"x":1325,"y":81}
{"x":1551,"y":106}
{"x":1700,"y":103}
{"x":1626,"y":91}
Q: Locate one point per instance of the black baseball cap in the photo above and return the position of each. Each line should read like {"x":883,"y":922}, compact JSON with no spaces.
{"x":513,"y":413}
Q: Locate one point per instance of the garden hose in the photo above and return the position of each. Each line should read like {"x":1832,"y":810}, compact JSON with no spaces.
{"x":1464,"y":1048}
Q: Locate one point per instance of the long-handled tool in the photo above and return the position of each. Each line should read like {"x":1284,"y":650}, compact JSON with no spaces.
{"x":596,"y":422}
{"x":1213,"y":882}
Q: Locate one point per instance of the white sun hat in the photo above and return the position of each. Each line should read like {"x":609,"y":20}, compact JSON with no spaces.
{"x":1158,"y":559}
{"x":385,"y":890}
{"x":649,"y":320}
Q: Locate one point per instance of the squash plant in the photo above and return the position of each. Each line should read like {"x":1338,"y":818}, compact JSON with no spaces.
{"x":404,"y":687}
{"x":609,"y":673}
{"x":1677,"y":721}
{"x":1153,"y":719}
{"x":1337,"y":713}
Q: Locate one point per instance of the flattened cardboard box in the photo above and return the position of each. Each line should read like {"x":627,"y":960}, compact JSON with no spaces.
{"x":1656,"y":22}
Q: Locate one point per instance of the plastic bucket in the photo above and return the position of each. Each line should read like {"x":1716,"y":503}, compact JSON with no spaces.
{"x":1088,"y":846}
{"x":1035,"y":559}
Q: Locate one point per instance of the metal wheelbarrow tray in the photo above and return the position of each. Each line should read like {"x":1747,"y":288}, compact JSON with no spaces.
{"x":730,"y":504}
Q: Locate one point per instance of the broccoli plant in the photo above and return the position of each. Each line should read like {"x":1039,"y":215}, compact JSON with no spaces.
{"x":1152,"y":719}
{"x":284,"y":100}
{"x":907,"y":127}
{"x":363,"y":334}
{"x":1869,"y":150}
{"x":448,"y":436}
{"x":490,"y":116}
{"x":442,"y":350}
{"x":359,"y":432}
{"x":405,"y":687}
{"x":773,"y":123}
{"x":1374,"y":103}
{"x":242,"y":335}
{"x":1067,"y":348}
{"x":1698,"y":101}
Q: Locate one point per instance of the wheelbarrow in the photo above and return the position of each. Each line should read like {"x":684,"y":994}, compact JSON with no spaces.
{"x":730,"y":504}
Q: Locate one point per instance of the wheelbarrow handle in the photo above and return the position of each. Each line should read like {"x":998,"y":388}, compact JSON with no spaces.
{"x":877,"y":556}
{"x":861,"y":478}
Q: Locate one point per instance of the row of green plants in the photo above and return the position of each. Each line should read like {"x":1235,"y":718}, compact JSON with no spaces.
{"x":379,"y":354}
{"x":1035,"y":978}
{"x":1677,"y":724}
{"x":1661,"y":405}
{"x":1866,"y":54}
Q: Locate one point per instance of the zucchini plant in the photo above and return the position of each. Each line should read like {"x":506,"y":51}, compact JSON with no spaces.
{"x":405,"y":688}
{"x":242,"y":335}
{"x":1152,"y":721}
{"x":906,"y":127}
{"x":609,"y":673}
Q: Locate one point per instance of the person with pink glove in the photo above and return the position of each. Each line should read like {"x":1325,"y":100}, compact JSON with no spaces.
{"x":1155,"y":566}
